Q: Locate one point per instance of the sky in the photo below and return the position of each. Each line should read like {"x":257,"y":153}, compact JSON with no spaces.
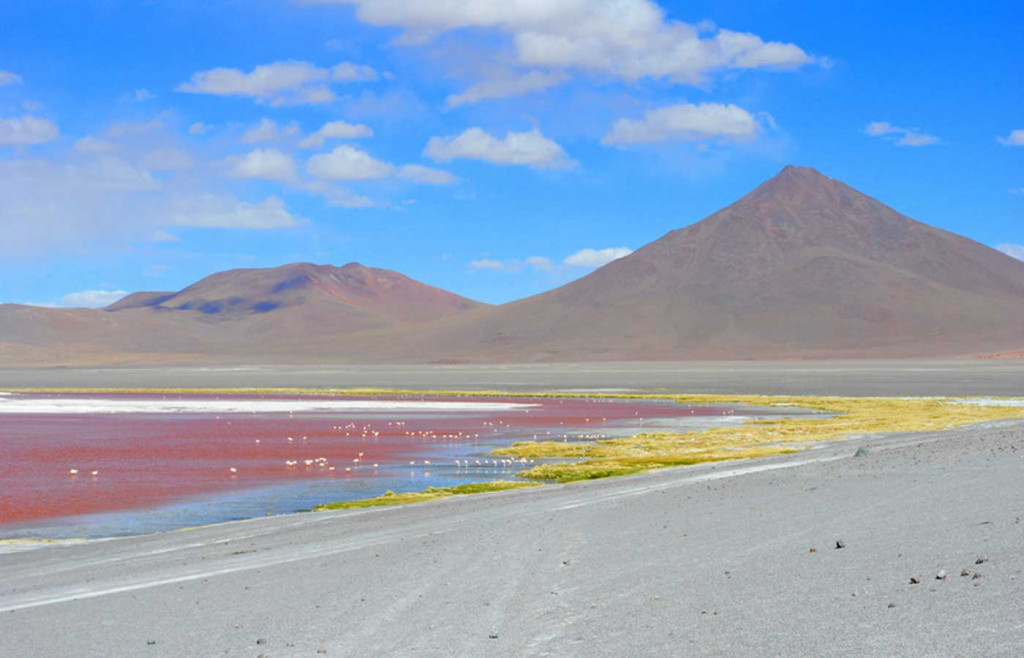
{"x":495,"y":148}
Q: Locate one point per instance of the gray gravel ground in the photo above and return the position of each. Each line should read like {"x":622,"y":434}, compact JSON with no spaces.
{"x":710,"y":560}
{"x":894,"y":377}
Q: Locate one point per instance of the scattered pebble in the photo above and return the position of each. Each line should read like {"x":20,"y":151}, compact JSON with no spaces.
{"x":493,"y":636}
{"x":981,"y":560}
{"x":941,"y":575}
{"x":964,"y":572}
{"x":813,"y":549}
{"x":863,"y":452}
{"x":976,"y":576}
{"x":321,"y":650}
{"x":840,"y":544}
{"x":150,"y":642}
{"x":261,"y":640}
{"x":892,"y":605}
{"x":914,"y":580}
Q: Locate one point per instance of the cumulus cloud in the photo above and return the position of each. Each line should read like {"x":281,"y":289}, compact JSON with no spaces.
{"x":267,"y":131}
{"x":629,"y":39}
{"x":686,"y":121}
{"x":899,"y":136}
{"x":220,"y":211}
{"x":514,"y":266}
{"x":347,"y":163}
{"x":279,"y":83}
{"x":26,"y":131}
{"x":198,"y":128}
{"x":1015,"y":138}
{"x":8,"y":78}
{"x":596,"y":257}
{"x":349,"y":72}
{"x":425,"y":175}
{"x":531,"y":149}
{"x":92,"y":298}
{"x":265,"y":164}
{"x":336,"y":130}
{"x":503,"y":87}
{"x":1014,"y":250}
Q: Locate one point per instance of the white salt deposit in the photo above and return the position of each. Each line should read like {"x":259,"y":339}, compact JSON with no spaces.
{"x":990,"y":402}
{"x":33,"y":405}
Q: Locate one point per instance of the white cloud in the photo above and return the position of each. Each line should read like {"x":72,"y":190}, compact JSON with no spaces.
{"x":514,"y":266}
{"x":530,"y":148}
{"x":8,"y":78}
{"x":596,"y":257}
{"x":93,"y":298}
{"x":899,"y":136}
{"x":426,"y":175}
{"x":278,"y":83}
{"x":630,"y":39}
{"x":1015,"y":250}
{"x":26,"y":131}
{"x":268,"y":131}
{"x":686,"y":121}
{"x":347,"y":163}
{"x":217,"y":211}
{"x":92,"y":144}
{"x":265,"y":164}
{"x":503,"y":87}
{"x":167,"y":159}
{"x":336,"y":196}
{"x":486,"y":264}
{"x":198,"y":128}
{"x":1015,"y":138}
{"x":336,"y":130}
{"x":349,"y":72}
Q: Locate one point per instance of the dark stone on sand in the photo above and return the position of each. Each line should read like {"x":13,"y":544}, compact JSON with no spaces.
{"x":892,"y":605}
{"x":261,"y":640}
{"x":493,"y":636}
{"x":150,"y":642}
{"x":981,"y":560}
{"x":914,"y":580}
{"x":840,"y":544}
{"x":863,"y":452}
{"x":964,"y":572}
{"x":321,"y":650}
{"x":941,"y":575}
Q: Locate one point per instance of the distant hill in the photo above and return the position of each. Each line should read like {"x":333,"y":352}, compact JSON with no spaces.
{"x":802,"y":267}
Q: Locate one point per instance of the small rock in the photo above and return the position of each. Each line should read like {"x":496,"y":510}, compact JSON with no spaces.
{"x":840,"y":544}
{"x":261,"y":640}
{"x":892,"y":605}
{"x":863,"y":452}
{"x":941,"y":575}
{"x":493,"y":636}
{"x":814,"y":549}
{"x":150,"y":642}
{"x":976,"y":576}
{"x":914,"y":580}
{"x":981,"y":560}
{"x":321,"y":650}
{"x":964,"y":573}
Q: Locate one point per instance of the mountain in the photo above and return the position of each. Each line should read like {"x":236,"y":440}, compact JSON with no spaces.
{"x":237,"y":315}
{"x":803,"y":266}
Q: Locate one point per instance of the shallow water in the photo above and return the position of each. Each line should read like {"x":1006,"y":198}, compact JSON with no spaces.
{"x":121,"y":464}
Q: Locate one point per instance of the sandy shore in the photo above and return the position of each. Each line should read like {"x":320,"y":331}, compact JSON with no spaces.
{"x":706,"y":560}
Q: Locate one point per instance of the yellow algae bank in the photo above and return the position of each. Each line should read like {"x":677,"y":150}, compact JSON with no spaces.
{"x":432,"y":493}
{"x":842,"y":418}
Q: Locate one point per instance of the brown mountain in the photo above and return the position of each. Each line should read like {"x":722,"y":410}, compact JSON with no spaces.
{"x":237,"y":315}
{"x":803,"y":266}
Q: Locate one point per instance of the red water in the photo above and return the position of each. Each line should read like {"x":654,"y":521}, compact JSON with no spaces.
{"x":144,"y":460}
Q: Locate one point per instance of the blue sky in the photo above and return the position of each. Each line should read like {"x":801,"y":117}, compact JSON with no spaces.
{"x":496,"y":148}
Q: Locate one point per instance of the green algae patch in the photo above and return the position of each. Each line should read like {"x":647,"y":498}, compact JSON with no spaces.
{"x":431,"y":493}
